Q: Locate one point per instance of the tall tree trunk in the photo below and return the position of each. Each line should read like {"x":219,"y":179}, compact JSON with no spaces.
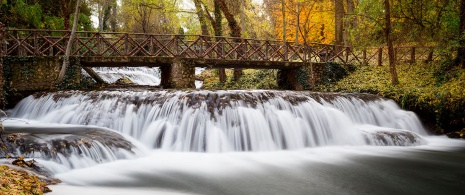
{"x":65,"y":13}
{"x":283,"y":12}
{"x":114,"y":13}
{"x":297,"y":25}
{"x":339,"y":22}
{"x":232,"y":23}
{"x":243,"y":17}
{"x":461,"y":49}
{"x":349,"y":20}
{"x":218,"y":28}
{"x":201,"y":15}
{"x":387,"y":33}
{"x":61,"y":75}
{"x":233,"y":26}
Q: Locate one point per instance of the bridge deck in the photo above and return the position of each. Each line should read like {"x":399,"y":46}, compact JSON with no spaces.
{"x":115,"y":61}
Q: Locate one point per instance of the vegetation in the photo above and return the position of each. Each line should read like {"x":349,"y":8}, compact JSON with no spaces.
{"x":16,"y":182}
{"x":251,"y":79}
{"x":436,"y":91}
{"x":361,"y":24}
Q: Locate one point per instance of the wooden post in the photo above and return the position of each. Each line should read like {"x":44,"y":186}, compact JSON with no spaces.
{"x":347,"y":50}
{"x":200,"y":52}
{"x":50,"y":51}
{"x":36,"y":44}
{"x":286,"y":49}
{"x":175,"y":51}
{"x":151,"y":45}
{"x":98,"y":43}
{"x":126,"y":44}
{"x":430,"y":56}
{"x":380,"y":56}
{"x":365,"y":61}
{"x":412,"y":55}
{"x":267,"y":54}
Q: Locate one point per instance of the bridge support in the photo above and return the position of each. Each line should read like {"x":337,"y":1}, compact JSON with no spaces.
{"x":180,"y":74}
{"x":287,"y":79}
{"x":305,"y":77}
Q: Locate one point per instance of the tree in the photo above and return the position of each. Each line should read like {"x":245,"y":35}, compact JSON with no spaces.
{"x":70,"y":41}
{"x":387,"y":33}
{"x":339,"y":22}
{"x":349,"y":20}
{"x":313,"y":20}
{"x":201,"y":15}
{"x":461,"y":49}
{"x":233,"y":26}
{"x":150,"y":16}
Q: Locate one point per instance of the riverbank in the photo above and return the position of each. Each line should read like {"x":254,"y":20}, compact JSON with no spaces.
{"x":15,"y":181}
{"x":434,"y":91}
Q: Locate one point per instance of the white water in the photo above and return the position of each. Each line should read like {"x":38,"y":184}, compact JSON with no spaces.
{"x":194,"y":142}
{"x":138,"y":75}
{"x":184,"y":121}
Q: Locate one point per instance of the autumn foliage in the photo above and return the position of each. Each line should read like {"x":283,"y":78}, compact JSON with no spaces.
{"x":309,"y":20}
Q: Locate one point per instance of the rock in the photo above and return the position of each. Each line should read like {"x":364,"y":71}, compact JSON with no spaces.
{"x":124,"y":81}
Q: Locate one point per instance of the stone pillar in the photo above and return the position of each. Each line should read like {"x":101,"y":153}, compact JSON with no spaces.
{"x":180,"y":74}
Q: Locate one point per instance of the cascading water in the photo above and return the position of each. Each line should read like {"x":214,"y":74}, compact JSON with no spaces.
{"x":138,"y":75}
{"x":206,"y":121}
{"x":176,"y":142}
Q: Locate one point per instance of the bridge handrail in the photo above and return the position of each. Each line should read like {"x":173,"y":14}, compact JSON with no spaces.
{"x":42,"y":42}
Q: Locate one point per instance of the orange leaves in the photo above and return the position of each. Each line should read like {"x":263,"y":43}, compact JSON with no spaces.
{"x":315,"y":19}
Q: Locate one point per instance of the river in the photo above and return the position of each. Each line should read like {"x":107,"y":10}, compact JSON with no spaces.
{"x":139,"y":141}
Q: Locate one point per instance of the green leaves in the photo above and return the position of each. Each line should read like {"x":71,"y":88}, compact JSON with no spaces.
{"x":423,"y":89}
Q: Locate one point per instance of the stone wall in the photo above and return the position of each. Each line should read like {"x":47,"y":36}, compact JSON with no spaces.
{"x":180,"y":74}
{"x":25,"y":75}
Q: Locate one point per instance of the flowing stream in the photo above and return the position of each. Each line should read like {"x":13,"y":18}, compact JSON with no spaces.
{"x":136,"y":141}
{"x":234,"y":142}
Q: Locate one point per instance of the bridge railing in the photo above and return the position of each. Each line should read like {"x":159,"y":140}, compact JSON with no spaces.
{"x":24,"y":42}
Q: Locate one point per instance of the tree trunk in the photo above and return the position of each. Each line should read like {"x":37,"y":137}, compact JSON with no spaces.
{"x":70,"y":43}
{"x":233,"y":26}
{"x":283,"y":11}
{"x":297,"y":25}
{"x":218,"y":28}
{"x":339,"y":22}
{"x":201,"y":15}
{"x":243,"y":18}
{"x":65,"y":13}
{"x":349,"y":21}
{"x":461,"y":49}
{"x":387,"y":33}
{"x":114,"y":13}
{"x":232,"y":23}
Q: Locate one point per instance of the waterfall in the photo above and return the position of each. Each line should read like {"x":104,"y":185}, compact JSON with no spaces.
{"x":220,"y":121}
{"x":72,"y":146}
{"x":138,"y":75}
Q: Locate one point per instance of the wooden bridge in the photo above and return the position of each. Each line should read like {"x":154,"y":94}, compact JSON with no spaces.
{"x":177,"y":55}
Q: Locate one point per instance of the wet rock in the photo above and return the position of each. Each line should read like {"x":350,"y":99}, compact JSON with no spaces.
{"x":48,"y":143}
{"x":124,"y":81}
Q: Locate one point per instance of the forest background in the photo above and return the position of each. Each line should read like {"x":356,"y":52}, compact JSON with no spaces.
{"x":434,"y":89}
